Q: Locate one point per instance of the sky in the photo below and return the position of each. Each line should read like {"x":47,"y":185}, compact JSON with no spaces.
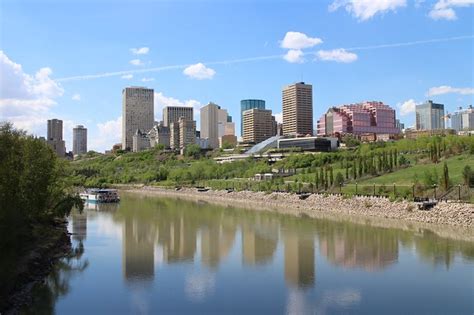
{"x":71,"y":59}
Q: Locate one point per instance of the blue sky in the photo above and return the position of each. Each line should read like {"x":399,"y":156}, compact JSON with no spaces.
{"x":71,"y":59}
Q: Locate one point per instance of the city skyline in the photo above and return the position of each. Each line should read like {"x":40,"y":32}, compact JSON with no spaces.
{"x":80,"y":81}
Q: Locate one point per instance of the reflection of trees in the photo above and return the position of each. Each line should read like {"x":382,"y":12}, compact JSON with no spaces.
{"x":57,"y":284}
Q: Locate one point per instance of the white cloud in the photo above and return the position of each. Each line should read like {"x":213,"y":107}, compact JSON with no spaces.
{"x":161,"y":101}
{"x":297,"y":41}
{"x":443,"y":9}
{"x":148,"y":79}
{"x":109,"y":133}
{"x":446,"y":89}
{"x":407,"y":107}
{"x":443,"y":14}
{"x":140,"y":51}
{"x":365,"y":9}
{"x":199,"y":71}
{"x":127,"y":76}
{"x":338,"y":55}
{"x":76,"y":97}
{"x":294,"y":56}
{"x":279,"y":118}
{"x":136,"y":62}
{"x":26,"y":100}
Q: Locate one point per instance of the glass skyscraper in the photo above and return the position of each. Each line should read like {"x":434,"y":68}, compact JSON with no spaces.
{"x":249,"y":104}
{"x":429,"y":116}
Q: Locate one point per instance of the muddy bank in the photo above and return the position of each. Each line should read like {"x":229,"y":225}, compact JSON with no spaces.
{"x":50,"y":244}
{"x":450,"y":220}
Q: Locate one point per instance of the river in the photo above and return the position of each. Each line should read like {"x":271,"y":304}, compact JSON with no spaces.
{"x":151,"y":255}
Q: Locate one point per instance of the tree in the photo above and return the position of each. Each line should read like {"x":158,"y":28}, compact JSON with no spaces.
{"x":339,"y":179}
{"x":331,"y":175}
{"x":467,"y":175}
{"x":316,"y":179}
{"x":445,"y":177}
{"x":192,"y":150}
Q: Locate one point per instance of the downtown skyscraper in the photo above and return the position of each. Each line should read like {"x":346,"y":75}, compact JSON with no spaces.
{"x":297,"y":102}
{"x":137,"y":113}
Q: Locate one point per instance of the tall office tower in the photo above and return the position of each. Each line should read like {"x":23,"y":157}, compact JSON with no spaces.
{"x":173,"y":113}
{"x":429,"y":116}
{"x":55,"y":136}
{"x":79,"y":140}
{"x":258,"y":125}
{"x":246,"y":105}
{"x":137,"y":113}
{"x":298,"y":109}
{"x":463,"y":119}
{"x":215,"y":124}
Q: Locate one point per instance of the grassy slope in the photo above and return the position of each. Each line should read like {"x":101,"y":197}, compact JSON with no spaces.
{"x":406,"y":176}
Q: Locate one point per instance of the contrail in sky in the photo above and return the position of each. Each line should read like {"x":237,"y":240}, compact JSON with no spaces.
{"x":253,"y":59}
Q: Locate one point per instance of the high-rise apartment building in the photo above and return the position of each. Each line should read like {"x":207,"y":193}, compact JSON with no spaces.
{"x":429,"y":116}
{"x":246,"y":105}
{"x":297,"y":102}
{"x":187,"y":132}
{"x":258,"y":125}
{"x":55,"y":137}
{"x":358,"y":119}
{"x":79,"y":140}
{"x":173,"y":113}
{"x":463,"y":119}
{"x":215,"y":123}
{"x":137,"y":113}
{"x":182,"y":133}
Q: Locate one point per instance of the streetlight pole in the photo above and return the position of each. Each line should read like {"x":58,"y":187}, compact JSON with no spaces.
{"x":356,"y":188}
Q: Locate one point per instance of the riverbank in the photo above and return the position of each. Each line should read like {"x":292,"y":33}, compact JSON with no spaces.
{"x":48,"y":244}
{"x":453,"y":220}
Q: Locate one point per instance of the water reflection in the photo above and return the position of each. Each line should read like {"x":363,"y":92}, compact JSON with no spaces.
{"x":369,"y":248}
{"x":209,"y":243}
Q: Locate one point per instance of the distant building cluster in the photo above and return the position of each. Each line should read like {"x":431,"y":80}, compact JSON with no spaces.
{"x":463,"y":119}
{"x":367,"y":121}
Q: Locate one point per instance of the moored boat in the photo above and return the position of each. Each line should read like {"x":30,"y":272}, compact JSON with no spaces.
{"x":96,"y":195}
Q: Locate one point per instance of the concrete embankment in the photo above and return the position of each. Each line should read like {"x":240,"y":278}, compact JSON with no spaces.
{"x":453,"y":220}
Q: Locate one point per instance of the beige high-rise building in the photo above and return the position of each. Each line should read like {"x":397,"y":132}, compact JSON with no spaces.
{"x":215,"y":124}
{"x":182,"y":133}
{"x":298,"y":109}
{"x":187,"y":132}
{"x":79,"y":140}
{"x":55,"y":137}
{"x":173,"y":113}
{"x":137,"y":113}
{"x":258,"y":125}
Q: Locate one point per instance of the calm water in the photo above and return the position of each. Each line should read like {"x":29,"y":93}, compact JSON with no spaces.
{"x":154,"y":255}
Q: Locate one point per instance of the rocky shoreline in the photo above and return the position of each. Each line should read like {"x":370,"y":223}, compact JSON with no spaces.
{"x":36,"y":265}
{"x":454,"y":220}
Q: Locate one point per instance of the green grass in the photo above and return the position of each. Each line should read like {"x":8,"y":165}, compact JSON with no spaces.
{"x":406,"y":176}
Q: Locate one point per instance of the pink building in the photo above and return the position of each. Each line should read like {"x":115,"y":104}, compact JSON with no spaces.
{"x":361,"y":118}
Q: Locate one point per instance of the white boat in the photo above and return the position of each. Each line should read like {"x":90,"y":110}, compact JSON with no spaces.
{"x":96,"y":195}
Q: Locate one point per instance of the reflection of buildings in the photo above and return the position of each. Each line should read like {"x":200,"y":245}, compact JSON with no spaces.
{"x":372,"y":251}
{"x":299,"y":260}
{"x":216,"y":242}
{"x":178,"y":238}
{"x":79,"y":225}
{"x":259,"y":242}
{"x":138,"y":250}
